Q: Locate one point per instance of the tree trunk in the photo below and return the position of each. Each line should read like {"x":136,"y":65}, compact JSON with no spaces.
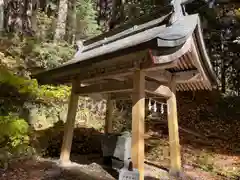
{"x":1,"y":16}
{"x":223,"y":77}
{"x":103,"y":18}
{"x":71,"y":22}
{"x":61,"y":21}
{"x":117,"y":13}
{"x":35,"y":5}
{"x":113,"y":14}
{"x":18,"y":17}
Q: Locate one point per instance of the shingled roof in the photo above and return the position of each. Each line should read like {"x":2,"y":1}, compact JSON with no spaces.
{"x":154,"y":32}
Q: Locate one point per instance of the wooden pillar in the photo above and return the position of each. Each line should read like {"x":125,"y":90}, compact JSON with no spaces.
{"x":175,"y":156}
{"x":69,"y":126}
{"x":108,"y":118}
{"x":138,"y":117}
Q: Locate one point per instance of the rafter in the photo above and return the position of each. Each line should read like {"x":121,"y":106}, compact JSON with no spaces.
{"x":195,"y":55}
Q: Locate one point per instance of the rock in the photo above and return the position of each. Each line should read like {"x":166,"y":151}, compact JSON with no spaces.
{"x":188,"y":167}
{"x":53,"y":172}
{"x":63,"y":115}
{"x":38,"y":121}
{"x":52,"y":119}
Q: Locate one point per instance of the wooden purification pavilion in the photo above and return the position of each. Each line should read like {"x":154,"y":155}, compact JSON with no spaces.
{"x":153,"y":57}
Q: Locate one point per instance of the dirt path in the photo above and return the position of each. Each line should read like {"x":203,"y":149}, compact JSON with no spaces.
{"x":48,"y":169}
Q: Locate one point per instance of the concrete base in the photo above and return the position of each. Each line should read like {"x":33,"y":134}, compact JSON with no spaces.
{"x":64,"y":163}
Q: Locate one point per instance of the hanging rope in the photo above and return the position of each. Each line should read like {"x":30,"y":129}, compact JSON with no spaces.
{"x":154,"y":106}
{"x":162,"y":109}
{"x":149,"y":105}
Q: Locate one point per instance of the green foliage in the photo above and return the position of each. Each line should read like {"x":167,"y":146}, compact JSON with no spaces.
{"x":237,"y":12}
{"x":23,"y":85}
{"x":50,"y":55}
{"x":11,"y":63}
{"x":31,"y":87}
{"x":45,"y":25}
{"x":86,"y":19}
{"x":14,"y":137}
{"x":56,"y":92}
{"x":30,"y":53}
{"x":15,"y":129}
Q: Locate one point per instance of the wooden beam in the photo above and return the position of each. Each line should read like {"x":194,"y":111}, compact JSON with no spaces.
{"x":127,"y":96}
{"x":108,"y":87}
{"x":160,"y":75}
{"x":157,"y":89}
{"x":108,"y":76}
{"x":113,"y":65}
{"x":69,"y":126}
{"x":138,"y":116}
{"x":124,"y":86}
{"x":181,"y":77}
{"x":175,"y":157}
{"x":188,"y":76}
{"x":156,"y":67}
{"x":108,"y":118}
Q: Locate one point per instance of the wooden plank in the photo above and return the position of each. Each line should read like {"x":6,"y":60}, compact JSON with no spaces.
{"x":175,"y":157}
{"x":69,"y":126}
{"x":109,"y":113}
{"x":138,"y":116}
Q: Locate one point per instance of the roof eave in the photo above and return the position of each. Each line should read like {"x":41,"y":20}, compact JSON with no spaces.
{"x":204,"y":55}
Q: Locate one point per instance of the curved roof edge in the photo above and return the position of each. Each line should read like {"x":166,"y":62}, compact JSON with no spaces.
{"x":162,"y":36}
{"x":204,"y":55}
{"x":178,"y":33}
{"x":167,"y":36}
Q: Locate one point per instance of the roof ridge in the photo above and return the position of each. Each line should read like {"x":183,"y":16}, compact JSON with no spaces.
{"x":129,"y":24}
